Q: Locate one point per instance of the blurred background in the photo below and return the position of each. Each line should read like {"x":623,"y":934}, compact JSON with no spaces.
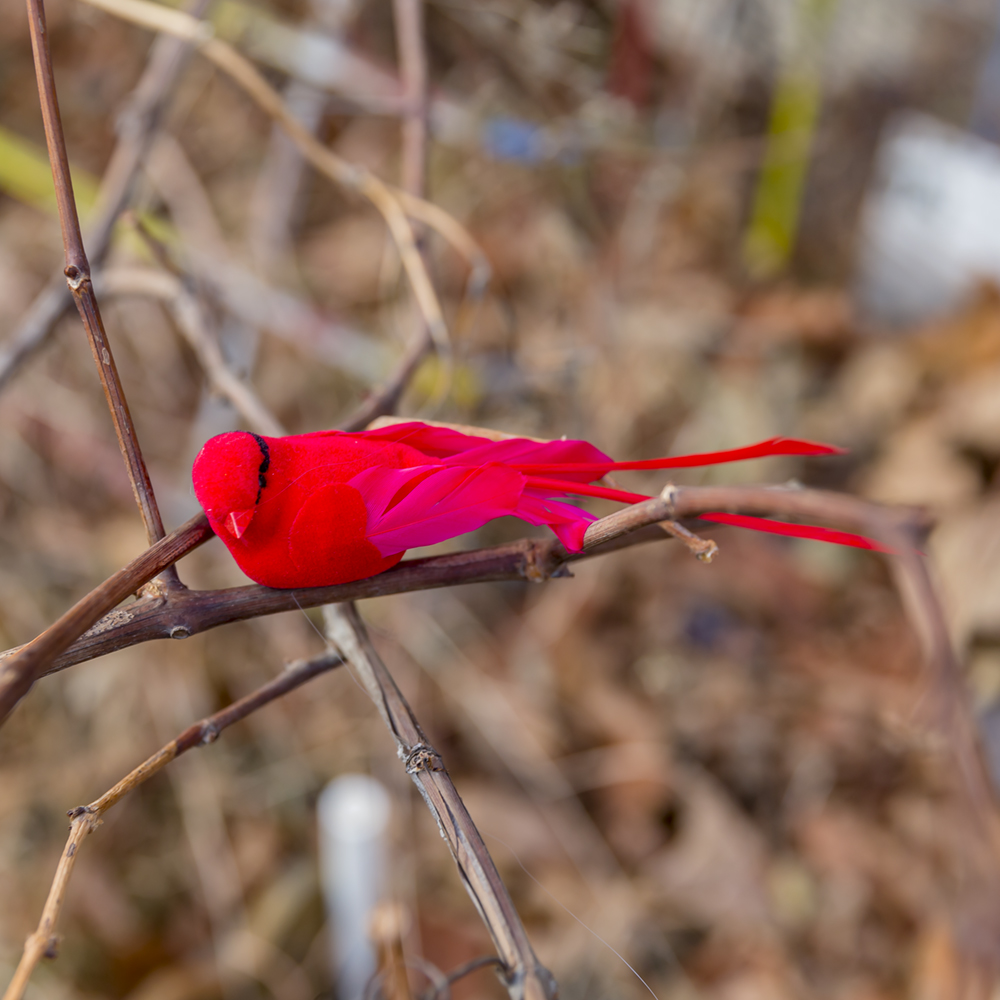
{"x":709,"y":222}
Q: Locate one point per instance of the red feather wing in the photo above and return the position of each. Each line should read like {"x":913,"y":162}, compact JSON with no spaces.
{"x":408,"y":508}
{"x":457,"y":448}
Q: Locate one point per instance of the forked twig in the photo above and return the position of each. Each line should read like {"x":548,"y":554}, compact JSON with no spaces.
{"x":386,"y":200}
{"x":189,"y":315}
{"x":525,"y":977}
{"x":138,"y":123}
{"x":25,"y":666}
{"x":42,"y":943}
{"x":78,"y":278}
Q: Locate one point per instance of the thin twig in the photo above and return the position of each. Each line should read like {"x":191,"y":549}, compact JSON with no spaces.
{"x":193,"y":324}
{"x":409,"y":17}
{"x":525,"y":977}
{"x":385,"y":398}
{"x":42,"y":942}
{"x":77,"y":273}
{"x":137,"y":123}
{"x":385,"y":199}
{"x":23,"y":668}
{"x":409,"y":22}
{"x":443,"y":992}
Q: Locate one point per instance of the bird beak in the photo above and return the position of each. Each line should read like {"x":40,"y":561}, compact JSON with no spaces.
{"x":239,"y":520}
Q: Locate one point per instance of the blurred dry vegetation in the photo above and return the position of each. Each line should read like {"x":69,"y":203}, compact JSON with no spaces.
{"x":726,"y":771}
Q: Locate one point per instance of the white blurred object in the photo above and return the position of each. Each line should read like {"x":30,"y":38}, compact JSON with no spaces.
{"x":931,"y":224}
{"x":353,"y":813}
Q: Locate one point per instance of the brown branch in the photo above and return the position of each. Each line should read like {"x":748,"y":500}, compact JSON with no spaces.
{"x":77,"y":273}
{"x":138,"y":122}
{"x":246,"y":75}
{"x":42,"y":942}
{"x":524,"y":976}
{"x":185,"y":613}
{"x":29,"y":662}
{"x":394,"y":205}
{"x":189,"y":315}
{"x":409,"y":22}
{"x":409,"y":16}
{"x":385,"y":398}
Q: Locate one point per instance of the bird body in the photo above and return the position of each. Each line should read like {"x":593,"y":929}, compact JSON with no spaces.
{"x":317,"y":509}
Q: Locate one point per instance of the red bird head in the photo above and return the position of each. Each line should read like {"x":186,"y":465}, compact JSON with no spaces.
{"x":229,"y":475}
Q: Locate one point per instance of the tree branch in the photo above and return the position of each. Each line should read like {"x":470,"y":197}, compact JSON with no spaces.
{"x":28,"y":663}
{"x":185,"y":613}
{"x":77,"y":273}
{"x":137,"y":124}
{"x":85,"y":820}
{"x":525,"y":977}
{"x":387,"y":201}
{"x":409,"y":25}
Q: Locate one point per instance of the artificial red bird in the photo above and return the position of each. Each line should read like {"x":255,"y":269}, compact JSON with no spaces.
{"x":310,"y":510}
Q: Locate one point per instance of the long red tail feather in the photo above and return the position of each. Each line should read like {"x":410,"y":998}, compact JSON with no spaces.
{"x":763,"y":449}
{"x":796,"y":530}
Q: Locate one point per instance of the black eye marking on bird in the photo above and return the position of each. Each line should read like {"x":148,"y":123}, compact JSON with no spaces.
{"x":264,"y":465}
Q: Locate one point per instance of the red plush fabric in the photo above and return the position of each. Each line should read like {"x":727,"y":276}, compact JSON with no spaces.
{"x":311,"y":510}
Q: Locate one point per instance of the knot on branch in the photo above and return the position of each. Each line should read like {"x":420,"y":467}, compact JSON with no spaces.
{"x":422,"y":758}
{"x":209,"y":733}
{"x":93,"y":822}
{"x":76,"y":277}
{"x":539,"y":565}
{"x":669,"y":496}
{"x":120,"y":616}
{"x":51,"y":949}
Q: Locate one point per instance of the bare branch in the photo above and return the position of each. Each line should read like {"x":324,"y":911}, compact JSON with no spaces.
{"x":409,"y":16}
{"x":29,"y":662}
{"x":77,"y":273}
{"x":193,"y":324}
{"x":409,"y":21}
{"x":525,"y":977}
{"x":385,"y":199}
{"x":185,"y":613}
{"x":137,"y":123}
{"x":86,"y":819}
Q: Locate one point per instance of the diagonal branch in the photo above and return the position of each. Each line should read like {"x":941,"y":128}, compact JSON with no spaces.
{"x":25,"y":666}
{"x":85,"y":820}
{"x":525,"y":977}
{"x":77,"y":273}
{"x":137,"y":124}
{"x":391,"y":204}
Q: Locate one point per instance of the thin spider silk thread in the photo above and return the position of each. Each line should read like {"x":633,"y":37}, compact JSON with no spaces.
{"x":590,"y":930}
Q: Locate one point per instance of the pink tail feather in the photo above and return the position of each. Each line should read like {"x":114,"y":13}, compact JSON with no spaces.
{"x":579,"y":489}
